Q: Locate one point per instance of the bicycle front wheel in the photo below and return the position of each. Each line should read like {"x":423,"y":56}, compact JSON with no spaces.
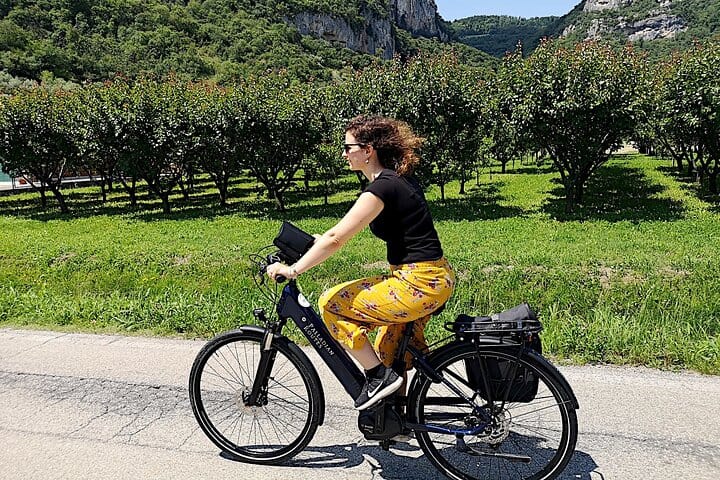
{"x":531,"y":440}
{"x":289,"y":409}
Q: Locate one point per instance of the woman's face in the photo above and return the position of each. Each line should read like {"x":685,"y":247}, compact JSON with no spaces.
{"x":353,"y":152}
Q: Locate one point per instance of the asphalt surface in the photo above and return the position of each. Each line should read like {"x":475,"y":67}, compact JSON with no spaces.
{"x":75,"y":406}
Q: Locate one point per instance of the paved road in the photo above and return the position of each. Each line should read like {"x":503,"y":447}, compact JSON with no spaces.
{"x":109,"y":407}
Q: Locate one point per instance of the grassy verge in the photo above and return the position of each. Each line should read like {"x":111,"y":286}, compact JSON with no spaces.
{"x":630,"y":278}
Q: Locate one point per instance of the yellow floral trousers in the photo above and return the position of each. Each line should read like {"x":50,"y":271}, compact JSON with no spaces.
{"x":410,"y":293}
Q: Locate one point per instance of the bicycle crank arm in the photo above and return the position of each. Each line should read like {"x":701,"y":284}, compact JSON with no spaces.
{"x":461,"y":446}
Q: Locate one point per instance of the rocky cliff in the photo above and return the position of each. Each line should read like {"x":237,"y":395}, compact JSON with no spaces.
{"x":374,"y":34}
{"x":419,"y":17}
{"x":612,"y":17}
{"x":600,"y":5}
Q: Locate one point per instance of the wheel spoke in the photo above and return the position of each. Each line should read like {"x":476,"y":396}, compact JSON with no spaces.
{"x":537,"y":429}
{"x":268,"y":433}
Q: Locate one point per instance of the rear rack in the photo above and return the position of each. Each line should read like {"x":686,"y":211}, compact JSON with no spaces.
{"x":516,"y":326}
{"x":465,"y":324}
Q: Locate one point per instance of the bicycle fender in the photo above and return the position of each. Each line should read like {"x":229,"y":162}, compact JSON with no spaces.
{"x":260,"y":332}
{"x":555,"y":373}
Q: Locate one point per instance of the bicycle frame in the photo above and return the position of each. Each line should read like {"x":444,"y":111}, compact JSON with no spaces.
{"x":293,"y":305}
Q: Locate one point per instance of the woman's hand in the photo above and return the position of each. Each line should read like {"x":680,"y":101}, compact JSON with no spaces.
{"x":276,"y":269}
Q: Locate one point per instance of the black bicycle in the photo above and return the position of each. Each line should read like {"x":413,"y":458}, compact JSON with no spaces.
{"x":484,"y":404}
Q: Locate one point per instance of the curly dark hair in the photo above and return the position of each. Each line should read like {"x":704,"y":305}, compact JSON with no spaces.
{"x":393,"y":140}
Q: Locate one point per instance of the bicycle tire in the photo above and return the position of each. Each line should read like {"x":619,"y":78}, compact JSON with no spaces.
{"x":543,"y":430}
{"x":224,"y":371}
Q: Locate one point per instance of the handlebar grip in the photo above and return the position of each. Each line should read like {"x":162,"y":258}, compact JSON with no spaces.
{"x":280,"y":279}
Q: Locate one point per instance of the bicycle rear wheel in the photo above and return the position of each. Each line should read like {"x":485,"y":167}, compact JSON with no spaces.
{"x":222,"y":377}
{"x":525,"y":440}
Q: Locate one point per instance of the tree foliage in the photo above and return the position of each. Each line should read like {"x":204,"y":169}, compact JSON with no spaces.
{"x":684,"y":110}
{"x":436,"y":95}
{"x":578,"y":104}
{"x":37,"y":139}
{"x":284,"y":128}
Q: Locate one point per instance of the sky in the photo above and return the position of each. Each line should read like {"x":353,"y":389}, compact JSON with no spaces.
{"x":454,"y":9}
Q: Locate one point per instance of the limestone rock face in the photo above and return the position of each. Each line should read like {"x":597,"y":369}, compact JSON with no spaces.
{"x":659,"y":22}
{"x":418,"y":17}
{"x":599,"y":5}
{"x":375,"y":35}
{"x":659,"y":26}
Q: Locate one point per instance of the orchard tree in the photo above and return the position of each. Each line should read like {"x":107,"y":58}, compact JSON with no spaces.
{"x":282,"y":128}
{"x":37,"y":139}
{"x":503,"y":141}
{"x":160,"y":130}
{"x":102,"y":142}
{"x":219,"y":120}
{"x":691,"y":95}
{"x":663,"y":123}
{"x":577,"y":103}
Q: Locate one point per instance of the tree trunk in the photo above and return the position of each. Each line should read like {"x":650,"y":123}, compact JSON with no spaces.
{"x":442,"y":191}
{"x":184,"y":190}
{"x":103,"y":191}
{"x":712,"y":177}
{"x":570,"y":202}
{"x":43,"y":197}
{"x":680,"y":165}
{"x":579,"y":192}
{"x":131,"y":190}
{"x":165,"y":197}
{"x":278,"y":196}
{"x":222,"y":187}
{"x":60,"y":198}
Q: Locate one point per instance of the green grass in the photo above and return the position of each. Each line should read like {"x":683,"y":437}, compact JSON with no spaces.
{"x":631,"y":278}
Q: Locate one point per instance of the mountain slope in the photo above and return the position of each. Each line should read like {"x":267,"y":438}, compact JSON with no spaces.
{"x":657,"y":26}
{"x":223,"y":40}
{"x":498,"y":34}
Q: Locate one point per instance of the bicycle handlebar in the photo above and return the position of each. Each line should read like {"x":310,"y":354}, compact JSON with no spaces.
{"x":269,"y":260}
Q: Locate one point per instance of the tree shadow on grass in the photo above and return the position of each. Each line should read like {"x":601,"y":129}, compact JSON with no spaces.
{"x":689,"y":184}
{"x":617,"y":193}
{"x":480,"y":203}
{"x":544,"y":168}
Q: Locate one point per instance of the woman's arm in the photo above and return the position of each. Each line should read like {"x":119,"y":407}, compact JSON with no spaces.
{"x":364,"y":211}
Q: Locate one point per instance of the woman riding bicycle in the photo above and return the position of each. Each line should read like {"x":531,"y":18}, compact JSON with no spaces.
{"x":420,"y":279}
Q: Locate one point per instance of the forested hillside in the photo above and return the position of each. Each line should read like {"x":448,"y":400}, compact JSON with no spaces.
{"x":498,"y":34}
{"x":222,"y":40}
{"x":656,"y":26}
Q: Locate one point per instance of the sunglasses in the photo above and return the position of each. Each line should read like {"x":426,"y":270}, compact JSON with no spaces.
{"x":348,"y":146}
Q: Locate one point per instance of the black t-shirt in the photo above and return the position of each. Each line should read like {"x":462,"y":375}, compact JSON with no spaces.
{"x":405,"y":223}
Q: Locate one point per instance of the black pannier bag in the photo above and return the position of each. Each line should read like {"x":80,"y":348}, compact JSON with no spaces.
{"x":292,"y":243}
{"x":507,"y":329}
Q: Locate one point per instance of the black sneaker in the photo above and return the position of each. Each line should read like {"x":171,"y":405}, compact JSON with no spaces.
{"x":375,"y":389}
